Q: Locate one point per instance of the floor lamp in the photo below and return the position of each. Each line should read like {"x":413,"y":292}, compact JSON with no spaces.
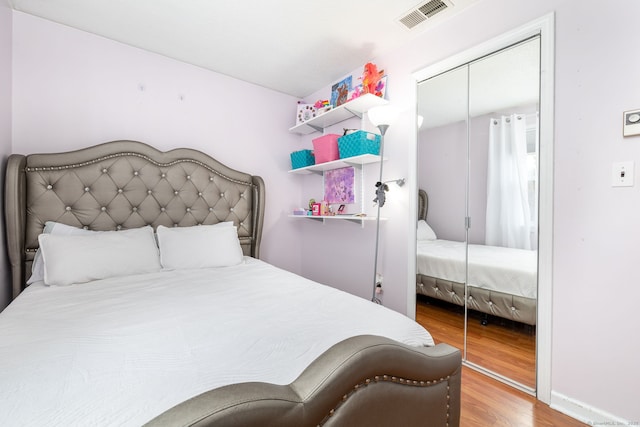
{"x":381,"y":117}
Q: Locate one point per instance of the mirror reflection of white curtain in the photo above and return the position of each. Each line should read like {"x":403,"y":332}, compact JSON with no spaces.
{"x":508,"y":216}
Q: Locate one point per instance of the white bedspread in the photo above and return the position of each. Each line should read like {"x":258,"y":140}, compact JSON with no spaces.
{"x":118,"y":352}
{"x":512,"y":271}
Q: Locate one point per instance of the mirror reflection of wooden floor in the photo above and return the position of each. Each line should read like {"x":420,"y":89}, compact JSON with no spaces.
{"x":502,"y":346}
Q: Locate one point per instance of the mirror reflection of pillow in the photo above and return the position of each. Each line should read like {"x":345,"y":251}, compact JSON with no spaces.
{"x":425,"y":232}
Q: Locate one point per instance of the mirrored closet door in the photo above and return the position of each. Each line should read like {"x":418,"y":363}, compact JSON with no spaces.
{"x":442,"y":180}
{"x":477,"y":241}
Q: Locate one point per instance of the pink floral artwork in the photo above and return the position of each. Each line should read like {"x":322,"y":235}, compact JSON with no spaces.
{"x":338,"y":185}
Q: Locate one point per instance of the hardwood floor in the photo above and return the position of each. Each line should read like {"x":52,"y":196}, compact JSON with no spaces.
{"x":505,"y":348}
{"x":489,"y":402}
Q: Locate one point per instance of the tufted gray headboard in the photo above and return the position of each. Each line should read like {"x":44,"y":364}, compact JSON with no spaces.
{"x":423,"y":204}
{"x":120,"y":185}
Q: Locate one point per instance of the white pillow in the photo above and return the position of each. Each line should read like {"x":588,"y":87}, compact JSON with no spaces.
{"x":425,"y":232}
{"x":77,"y":258}
{"x":51,"y":227}
{"x":200,"y":246}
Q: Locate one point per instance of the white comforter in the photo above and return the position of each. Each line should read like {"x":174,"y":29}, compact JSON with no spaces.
{"x":512,"y":271}
{"x":118,"y":352}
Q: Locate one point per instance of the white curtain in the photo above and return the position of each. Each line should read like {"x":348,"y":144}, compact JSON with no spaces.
{"x":508,"y":216}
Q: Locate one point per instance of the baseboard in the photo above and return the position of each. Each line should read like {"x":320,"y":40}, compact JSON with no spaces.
{"x":583,"y":412}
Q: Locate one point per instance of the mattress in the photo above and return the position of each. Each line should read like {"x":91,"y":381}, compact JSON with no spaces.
{"x":507,"y":270}
{"x":120,"y":351}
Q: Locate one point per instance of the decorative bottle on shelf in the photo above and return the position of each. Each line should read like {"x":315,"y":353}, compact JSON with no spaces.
{"x":324,"y":208}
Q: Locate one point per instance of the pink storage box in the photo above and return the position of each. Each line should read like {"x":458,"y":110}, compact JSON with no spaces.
{"x":325,"y":148}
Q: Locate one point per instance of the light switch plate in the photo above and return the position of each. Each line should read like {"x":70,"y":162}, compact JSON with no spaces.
{"x":622,"y":174}
{"x":631,"y":123}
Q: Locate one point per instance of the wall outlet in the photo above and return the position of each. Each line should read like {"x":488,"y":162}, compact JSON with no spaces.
{"x":622,"y":174}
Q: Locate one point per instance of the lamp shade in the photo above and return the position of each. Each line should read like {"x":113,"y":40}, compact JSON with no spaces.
{"x":383,"y":115}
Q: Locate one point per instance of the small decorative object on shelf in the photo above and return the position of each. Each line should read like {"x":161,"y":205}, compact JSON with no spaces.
{"x":373,"y":82}
{"x":324,"y":208}
{"x":322,"y":106}
{"x":305,"y":112}
{"x":371,"y":78}
{"x":355,"y":93}
{"x":315,"y":209}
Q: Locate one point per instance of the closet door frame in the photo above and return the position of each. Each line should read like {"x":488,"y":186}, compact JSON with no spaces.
{"x":544,"y":27}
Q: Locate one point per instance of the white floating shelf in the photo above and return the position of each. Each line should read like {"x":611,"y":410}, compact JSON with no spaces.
{"x":352,"y":218}
{"x":354,"y":108}
{"x":357,"y":161}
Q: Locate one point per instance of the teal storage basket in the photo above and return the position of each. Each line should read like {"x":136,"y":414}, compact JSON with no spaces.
{"x":358,"y":143}
{"x":302,"y":158}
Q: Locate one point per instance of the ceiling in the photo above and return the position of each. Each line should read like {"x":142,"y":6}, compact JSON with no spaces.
{"x":292,"y":46}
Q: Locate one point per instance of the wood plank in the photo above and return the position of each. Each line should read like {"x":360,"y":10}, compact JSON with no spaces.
{"x":489,"y":402}
{"x":508,"y":349}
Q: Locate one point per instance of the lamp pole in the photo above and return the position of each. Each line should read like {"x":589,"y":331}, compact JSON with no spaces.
{"x":381,"y":117}
{"x":380,"y":199}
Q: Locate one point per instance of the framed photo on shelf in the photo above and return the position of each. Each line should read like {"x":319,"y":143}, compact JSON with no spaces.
{"x":381,"y":88}
{"x":305,"y":112}
{"x":340,"y":92}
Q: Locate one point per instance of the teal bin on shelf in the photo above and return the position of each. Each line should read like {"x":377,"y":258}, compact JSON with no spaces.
{"x":302,"y":158}
{"x":358,"y":143}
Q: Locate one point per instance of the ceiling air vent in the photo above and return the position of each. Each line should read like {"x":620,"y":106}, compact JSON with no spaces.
{"x":420,"y":14}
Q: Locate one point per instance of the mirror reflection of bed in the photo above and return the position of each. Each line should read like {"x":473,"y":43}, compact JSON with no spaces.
{"x":501,"y":299}
{"x":477,"y":233}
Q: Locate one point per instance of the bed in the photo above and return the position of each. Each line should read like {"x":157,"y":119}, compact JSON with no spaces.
{"x":502,"y":281}
{"x":140,"y":299}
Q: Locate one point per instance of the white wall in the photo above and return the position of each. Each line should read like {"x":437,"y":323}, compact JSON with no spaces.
{"x":5,"y":131}
{"x":347,"y":250}
{"x":596,"y":226}
{"x":73,"y":89}
{"x":595,"y":341}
